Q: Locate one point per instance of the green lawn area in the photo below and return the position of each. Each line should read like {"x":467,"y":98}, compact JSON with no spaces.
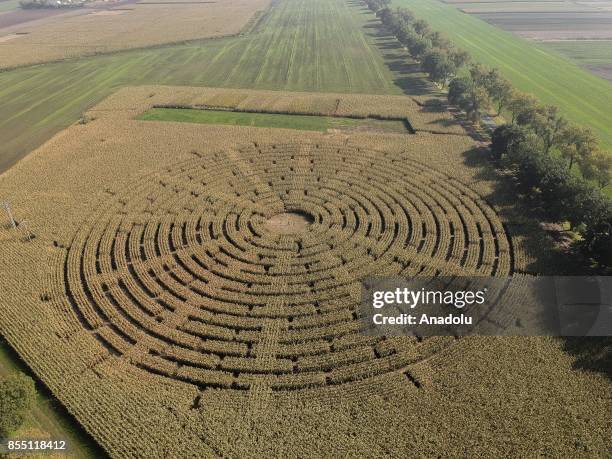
{"x":308,"y":45}
{"x":532,"y":67}
{"x":48,"y":416}
{"x":271,"y":120}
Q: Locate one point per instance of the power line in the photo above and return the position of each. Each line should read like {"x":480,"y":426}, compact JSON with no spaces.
{"x":21,"y":226}
{"x":7,"y":208}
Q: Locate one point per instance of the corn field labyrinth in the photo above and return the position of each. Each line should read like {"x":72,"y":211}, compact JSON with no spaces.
{"x":241,"y":268}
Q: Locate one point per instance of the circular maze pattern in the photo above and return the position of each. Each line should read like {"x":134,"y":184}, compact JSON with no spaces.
{"x":242,"y":268}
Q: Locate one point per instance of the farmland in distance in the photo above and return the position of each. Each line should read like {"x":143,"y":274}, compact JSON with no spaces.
{"x":104,"y":27}
{"x":530,"y":66}
{"x":579,"y":30}
{"x":594,"y":55}
{"x":36,"y":102}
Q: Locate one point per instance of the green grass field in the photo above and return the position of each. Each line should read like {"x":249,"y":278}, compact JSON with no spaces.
{"x":271,"y":120}
{"x":309,"y":45}
{"x":582,"y":96}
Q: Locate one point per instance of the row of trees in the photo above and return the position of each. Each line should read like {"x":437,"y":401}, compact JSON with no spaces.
{"x":559,"y":194}
{"x":577,"y":145}
{"x":438,"y":57}
{"x":37,"y":4}
{"x":442,"y":61}
{"x":475,"y":92}
{"x":539,"y":144}
{"x":479,"y":87}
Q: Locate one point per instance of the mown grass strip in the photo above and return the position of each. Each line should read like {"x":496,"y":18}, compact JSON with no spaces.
{"x":272,"y":120}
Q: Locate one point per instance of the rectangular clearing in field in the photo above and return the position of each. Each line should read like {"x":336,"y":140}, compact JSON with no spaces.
{"x":293,"y":110}
{"x":275,"y":120}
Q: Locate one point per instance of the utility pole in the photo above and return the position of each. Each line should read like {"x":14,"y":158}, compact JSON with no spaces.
{"x":7,"y":208}
{"x":26,"y":230}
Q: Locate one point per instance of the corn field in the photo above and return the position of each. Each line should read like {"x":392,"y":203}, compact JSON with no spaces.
{"x":181,"y":276}
{"x":190,"y":287}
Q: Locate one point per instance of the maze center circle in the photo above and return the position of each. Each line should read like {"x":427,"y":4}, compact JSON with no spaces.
{"x":243,"y":268}
{"x":291,"y":222}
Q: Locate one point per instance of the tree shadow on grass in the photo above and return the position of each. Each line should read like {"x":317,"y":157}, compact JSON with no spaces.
{"x":389,"y":45}
{"x":407,"y":73}
{"x":412,"y":86}
{"x":400,"y":66}
{"x":408,"y":76}
{"x":362,"y":9}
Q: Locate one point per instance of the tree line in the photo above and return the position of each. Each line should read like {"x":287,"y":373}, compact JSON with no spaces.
{"x":38,"y":4}
{"x":539,"y":145}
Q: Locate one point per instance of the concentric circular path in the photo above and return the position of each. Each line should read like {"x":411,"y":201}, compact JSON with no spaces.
{"x":243,"y":267}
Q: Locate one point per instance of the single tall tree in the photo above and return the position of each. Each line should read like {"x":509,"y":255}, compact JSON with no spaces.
{"x":476,"y":102}
{"x":458,"y":90}
{"x":419,"y":47}
{"x":439,"y":67}
{"x":499,"y":89}
{"x":459,"y":57}
{"x":421,"y":27}
{"x":548,"y":124}
{"x":504,"y":137}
